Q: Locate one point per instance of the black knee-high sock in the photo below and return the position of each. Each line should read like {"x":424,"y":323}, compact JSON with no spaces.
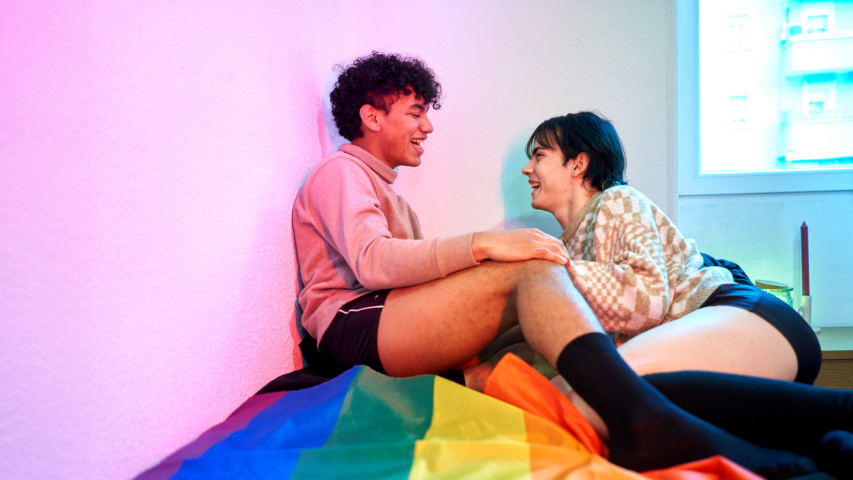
{"x":647,"y":431}
{"x":769,"y":413}
{"x":834,"y":454}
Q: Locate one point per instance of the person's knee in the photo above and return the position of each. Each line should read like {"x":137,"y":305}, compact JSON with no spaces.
{"x":541,"y":269}
{"x":509,"y":275}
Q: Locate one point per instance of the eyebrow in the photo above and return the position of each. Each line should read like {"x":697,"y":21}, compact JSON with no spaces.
{"x":535,"y":151}
{"x":418,"y":107}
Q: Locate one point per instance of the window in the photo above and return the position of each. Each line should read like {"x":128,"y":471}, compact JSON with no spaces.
{"x":737,"y":111}
{"x":816,"y":24}
{"x":818,"y":21}
{"x":737,"y":32}
{"x":816,"y":98}
{"x":774,"y":117}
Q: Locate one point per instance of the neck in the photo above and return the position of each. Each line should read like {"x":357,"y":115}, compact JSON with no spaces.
{"x":576,"y":202}
{"x":367,"y":142}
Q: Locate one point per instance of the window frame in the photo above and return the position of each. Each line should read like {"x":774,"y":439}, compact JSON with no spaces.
{"x":827,"y":12}
{"x":744,"y":33}
{"x":690,"y":179}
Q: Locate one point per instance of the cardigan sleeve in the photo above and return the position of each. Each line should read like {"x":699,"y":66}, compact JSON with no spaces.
{"x":626,"y":282}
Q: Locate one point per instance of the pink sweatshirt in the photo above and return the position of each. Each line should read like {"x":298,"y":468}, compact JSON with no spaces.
{"x":355,"y":235}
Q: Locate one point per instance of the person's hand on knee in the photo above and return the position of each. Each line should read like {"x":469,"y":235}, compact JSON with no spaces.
{"x":518,"y":245}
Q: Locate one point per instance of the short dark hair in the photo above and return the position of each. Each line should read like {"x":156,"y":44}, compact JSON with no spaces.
{"x":588,"y":133}
{"x":379,"y":79}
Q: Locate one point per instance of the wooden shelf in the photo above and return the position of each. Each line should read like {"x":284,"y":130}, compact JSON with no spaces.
{"x":836,"y":343}
{"x":837,"y":367}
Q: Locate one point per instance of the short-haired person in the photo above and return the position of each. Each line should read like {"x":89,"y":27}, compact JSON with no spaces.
{"x":678,"y":311}
{"x":639,"y":274}
{"x":377,"y":293}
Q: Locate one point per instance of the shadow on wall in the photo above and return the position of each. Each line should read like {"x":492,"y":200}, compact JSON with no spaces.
{"x":515,"y":192}
{"x":333,"y":139}
{"x":330,"y":140}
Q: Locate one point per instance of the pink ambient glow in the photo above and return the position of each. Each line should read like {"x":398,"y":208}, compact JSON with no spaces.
{"x":150,"y":153}
{"x":150,"y":160}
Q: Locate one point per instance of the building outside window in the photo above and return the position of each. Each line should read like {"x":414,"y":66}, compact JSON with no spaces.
{"x":737,"y":32}
{"x":775,"y":91}
{"x":737,"y":111}
{"x":816,"y":24}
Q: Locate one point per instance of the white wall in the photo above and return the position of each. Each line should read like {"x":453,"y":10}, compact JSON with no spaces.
{"x":762,"y":232}
{"x":149,"y":157}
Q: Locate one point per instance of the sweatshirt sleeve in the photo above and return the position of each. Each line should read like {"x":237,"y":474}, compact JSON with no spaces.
{"x":626,"y":283}
{"x":348,"y":213}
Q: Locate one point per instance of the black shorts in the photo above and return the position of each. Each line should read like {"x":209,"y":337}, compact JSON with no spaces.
{"x":779,"y":314}
{"x":351,"y":339}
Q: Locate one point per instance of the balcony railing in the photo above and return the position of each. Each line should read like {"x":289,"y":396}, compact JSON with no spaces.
{"x":822,"y":136}
{"x":818,"y":53}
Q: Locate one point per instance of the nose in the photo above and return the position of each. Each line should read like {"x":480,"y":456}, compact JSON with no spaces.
{"x":426,"y":125}
{"x":528,"y":169}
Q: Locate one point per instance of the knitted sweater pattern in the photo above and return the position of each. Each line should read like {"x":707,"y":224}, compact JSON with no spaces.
{"x":632,"y":265}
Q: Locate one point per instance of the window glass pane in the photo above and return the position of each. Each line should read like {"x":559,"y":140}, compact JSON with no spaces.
{"x":817,"y":24}
{"x":737,"y":110}
{"x":737,"y":27}
{"x":775,"y":85}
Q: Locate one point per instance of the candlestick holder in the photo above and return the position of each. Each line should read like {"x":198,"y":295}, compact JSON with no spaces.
{"x":805,"y":311}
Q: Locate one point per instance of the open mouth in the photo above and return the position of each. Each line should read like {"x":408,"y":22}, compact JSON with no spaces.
{"x":534,"y":185}
{"x":417,"y":144}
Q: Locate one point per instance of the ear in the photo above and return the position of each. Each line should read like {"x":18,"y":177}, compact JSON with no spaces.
{"x":370,"y":117}
{"x":580,"y":164}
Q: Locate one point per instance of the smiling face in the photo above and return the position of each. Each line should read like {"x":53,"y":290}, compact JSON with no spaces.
{"x":552,"y":182}
{"x":402,"y":131}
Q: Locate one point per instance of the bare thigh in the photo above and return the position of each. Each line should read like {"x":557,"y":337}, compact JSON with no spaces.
{"x":437,"y":326}
{"x":720,"y":339}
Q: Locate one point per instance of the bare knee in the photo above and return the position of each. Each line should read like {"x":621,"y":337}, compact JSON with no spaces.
{"x":510,"y":274}
{"x":538,"y":269}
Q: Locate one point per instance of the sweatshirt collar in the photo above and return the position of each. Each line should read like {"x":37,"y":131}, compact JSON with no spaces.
{"x":384,"y":171}
{"x":572,"y":227}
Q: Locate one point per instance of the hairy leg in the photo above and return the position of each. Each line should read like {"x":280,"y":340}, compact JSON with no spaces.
{"x":647,"y":431}
{"x":717,"y":339}
{"x":437,"y":326}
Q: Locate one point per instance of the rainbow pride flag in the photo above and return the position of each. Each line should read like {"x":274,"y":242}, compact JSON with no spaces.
{"x":363,"y":424}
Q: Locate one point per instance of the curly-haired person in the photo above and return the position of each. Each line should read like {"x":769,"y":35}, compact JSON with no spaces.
{"x":377,"y":293}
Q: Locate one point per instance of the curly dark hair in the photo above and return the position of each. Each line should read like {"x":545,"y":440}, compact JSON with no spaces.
{"x":377,"y":79}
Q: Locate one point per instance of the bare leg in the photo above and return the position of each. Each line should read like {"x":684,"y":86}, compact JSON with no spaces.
{"x":718,"y":339}
{"x":437,"y":326}
{"x":646,"y":430}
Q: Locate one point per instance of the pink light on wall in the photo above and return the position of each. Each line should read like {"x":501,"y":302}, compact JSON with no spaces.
{"x":150,"y":157}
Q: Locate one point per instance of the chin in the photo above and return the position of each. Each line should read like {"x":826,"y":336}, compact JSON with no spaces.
{"x":539,"y":207}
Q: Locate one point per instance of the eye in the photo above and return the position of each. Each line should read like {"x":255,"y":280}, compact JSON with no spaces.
{"x":416,"y":115}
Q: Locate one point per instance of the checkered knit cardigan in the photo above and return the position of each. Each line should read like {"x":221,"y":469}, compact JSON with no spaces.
{"x":632,"y":265}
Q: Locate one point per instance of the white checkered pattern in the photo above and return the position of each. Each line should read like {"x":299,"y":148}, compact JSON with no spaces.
{"x":632,"y":265}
